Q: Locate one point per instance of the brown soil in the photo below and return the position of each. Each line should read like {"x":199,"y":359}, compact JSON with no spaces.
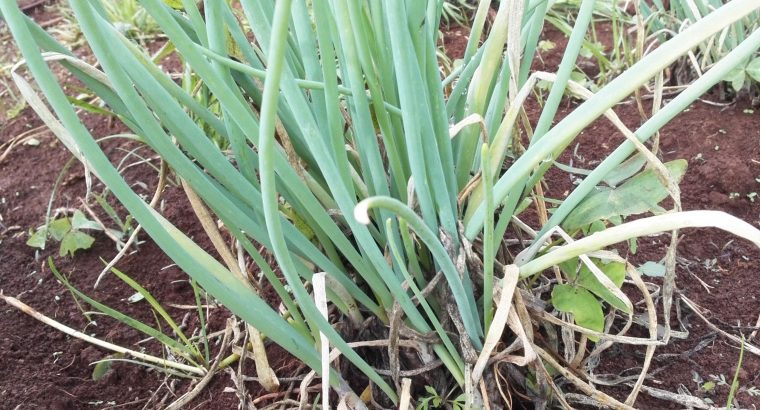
{"x":55,"y":371}
{"x":42,"y":368}
{"x":455,"y":40}
{"x":29,"y":5}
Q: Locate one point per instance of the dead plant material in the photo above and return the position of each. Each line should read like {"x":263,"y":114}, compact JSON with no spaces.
{"x":198,"y":388}
{"x":693,"y":306}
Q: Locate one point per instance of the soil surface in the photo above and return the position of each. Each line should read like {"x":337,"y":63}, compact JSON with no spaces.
{"x":45,"y":369}
{"x":29,"y":5}
{"x":50,"y":369}
{"x":715,"y":270}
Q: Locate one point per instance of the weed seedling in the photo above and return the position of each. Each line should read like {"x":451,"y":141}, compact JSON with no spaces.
{"x":68,"y":231}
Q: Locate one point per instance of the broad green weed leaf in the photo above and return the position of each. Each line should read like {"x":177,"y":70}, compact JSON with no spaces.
{"x":586,"y":52}
{"x":615,"y":271}
{"x":653,"y":269}
{"x":578,"y":77}
{"x":15,"y":110}
{"x":753,"y":69}
{"x":570,"y":268}
{"x":101,"y":368}
{"x":79,"y":221}
{"x":639,"y":194}
{"x":59,"y":228}
{"x":586,"y":309}
{"x":736,"y":77}
{"x":625,"y":170}
{"x":38,"y":238}
{"x":74,"y":241}
{"x":586,"y":279}
{"x":596,"y":226}
{"x":546,"y":45}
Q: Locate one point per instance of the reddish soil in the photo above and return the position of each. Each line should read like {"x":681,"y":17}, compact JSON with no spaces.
{"x":720,"y":179}
{"x":29,"y":5}
{"x":56,"y":371}
{"x":43,"y":368}
{"x":722,"y":146}
{"x":455,"y":40}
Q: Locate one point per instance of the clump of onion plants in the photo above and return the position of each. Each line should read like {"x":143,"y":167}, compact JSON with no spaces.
{"x":665,"y":20}
{"x":323,"y":131}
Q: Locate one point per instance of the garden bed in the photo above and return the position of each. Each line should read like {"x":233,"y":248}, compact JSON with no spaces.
{"x":42,"y":368}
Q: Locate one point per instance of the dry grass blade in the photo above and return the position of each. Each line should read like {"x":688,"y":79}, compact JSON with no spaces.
{"x":471,"y":119}
{"x":586,"y":388}
{"x":503,"y":309}
{"x":405,"y":400}
{"x":198,"y":388}
{"x":197,"y":371}
{"x":682,"y":399}
{"x":210,"y":227}
{"x":754,"y":332}
{"x":394,"y":326}
{"x":21,"y":139}
{"x":693,"y":306}
{"x":335,"y":353}
{"x":267,"y":376}
{"x":282,"y":137}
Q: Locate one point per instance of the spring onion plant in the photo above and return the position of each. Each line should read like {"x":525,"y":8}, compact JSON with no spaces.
{"x":323,"y":132}
{"x":664,"y":20}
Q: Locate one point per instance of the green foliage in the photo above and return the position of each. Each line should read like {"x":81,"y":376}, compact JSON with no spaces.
{"x":176,"y":4}
{"x":456,"y":11}
{"x":67,"y":231}
{"x":131,"y":19}
{"x":664,"y":18}
{"x":182,"y":348}
{"x":124,"y":226}
{"x":434,"y":401}
{"x":637,"y":195}
{"x":102,"y":367}
{"x":735,"y":382}
{"x":586,"y":310}
{"x":581,"y":295}
{"x":583,"y":277}
{"x":743,"y":74}
{"x":653,"y":269}
{"x":610,"y":58}
{"x":329,"y":142}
